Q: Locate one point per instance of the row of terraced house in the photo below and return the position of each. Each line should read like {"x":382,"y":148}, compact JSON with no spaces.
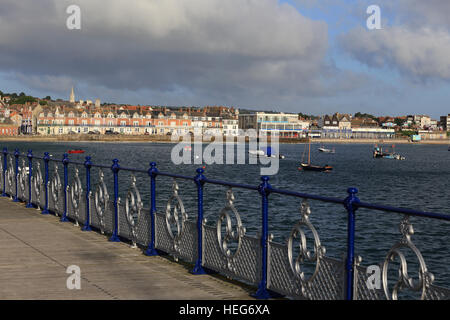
{"x":131,"y":120}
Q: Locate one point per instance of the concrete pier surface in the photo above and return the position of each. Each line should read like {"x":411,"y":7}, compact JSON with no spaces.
{"x":36,"y":250}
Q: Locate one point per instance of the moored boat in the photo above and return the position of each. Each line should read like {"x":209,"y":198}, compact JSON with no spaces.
{"x":75,"y":151}
{"x":326,"y":150}
{"x":309,"y":167}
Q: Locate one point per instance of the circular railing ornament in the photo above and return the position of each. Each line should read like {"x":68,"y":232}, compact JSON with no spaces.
{"x":22,"y":178}
{"x":425,"y":278}
{"x":176,"y":217}
{"x":76,"y":192}
{"x":37,"y":183}
{"x":133,"y":207}
{"x":11,"y":177}
{"x":304,"y":254}
{"x":56,"y":188}
{"x":231,"y":235}
{"x":101,"y":199}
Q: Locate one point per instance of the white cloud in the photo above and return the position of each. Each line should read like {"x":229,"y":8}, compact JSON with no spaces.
{"x":420,"y":54}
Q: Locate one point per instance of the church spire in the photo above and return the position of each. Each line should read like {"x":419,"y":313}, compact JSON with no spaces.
{"x":72,"y":96}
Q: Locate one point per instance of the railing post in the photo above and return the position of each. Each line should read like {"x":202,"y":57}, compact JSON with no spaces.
{"x":199,"y":181}
{"x":16,"y":173}
{"x":5,"y":167}
{"x":88,"y":165}
{"x":65,"y":162}
{"x":264,"y":190}
{"x":46,"y":160}
{"x":30,"y":174}
{"x":349,"y":264}
{"x":115,"y":169}
{"x":152,"y":172}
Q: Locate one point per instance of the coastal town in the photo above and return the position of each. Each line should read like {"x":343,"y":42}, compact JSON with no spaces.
{"x":22,"y":115}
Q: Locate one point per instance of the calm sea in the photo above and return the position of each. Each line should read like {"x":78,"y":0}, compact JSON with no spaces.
{"x":422,"y":182}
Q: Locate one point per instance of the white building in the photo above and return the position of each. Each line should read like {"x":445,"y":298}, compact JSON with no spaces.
{"x":284,"y":125}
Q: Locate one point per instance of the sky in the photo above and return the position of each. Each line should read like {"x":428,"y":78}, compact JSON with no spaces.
{"x":309,"y":56}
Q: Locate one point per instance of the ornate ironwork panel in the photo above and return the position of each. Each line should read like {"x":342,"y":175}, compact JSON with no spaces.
{"x":101,"y":201}
{"x":38,"y":184}
{"x":56,"y":191}
{"x":133,"y":208}
{"x":425,"y":278}
{"x":76,"y":195}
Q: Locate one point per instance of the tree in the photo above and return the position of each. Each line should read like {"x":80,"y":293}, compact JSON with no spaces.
{"x":43,"y":102}
{"x":48,"y":98}
{"x":399,"y":122}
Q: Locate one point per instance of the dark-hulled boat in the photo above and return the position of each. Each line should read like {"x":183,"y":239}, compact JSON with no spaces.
{"x":309,"y":167}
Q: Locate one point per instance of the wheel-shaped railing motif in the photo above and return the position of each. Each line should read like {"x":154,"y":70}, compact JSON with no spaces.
{"x":425,"y":278}
{"x":133,"y":207}
{"x":101,"y":199}
{"x":231,"y":234}
{"x":37,"y":183}
{"x":10,"y":177}
{"x":56,"y":188}
{"x":22,"y":178}
{"x":304,"y":255}
{"x":176,"y":217}
{"x":76,"y":192}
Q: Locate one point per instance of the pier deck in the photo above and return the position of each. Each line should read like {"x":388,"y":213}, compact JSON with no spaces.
{"x":36,"y":249}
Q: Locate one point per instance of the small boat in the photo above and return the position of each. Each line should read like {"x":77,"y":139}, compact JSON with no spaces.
{"x":75,"y":151}
{"x":309,"y":167}
{"x":325,"y":150}
{"x":267,"y":153}
{"x":379,"y":153}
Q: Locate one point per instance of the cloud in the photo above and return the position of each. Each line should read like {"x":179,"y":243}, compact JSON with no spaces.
{"x":225,"y":51}
{"x":419,"y":54}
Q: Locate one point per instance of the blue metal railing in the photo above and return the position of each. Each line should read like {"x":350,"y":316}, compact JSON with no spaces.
{"x":351,"y":204}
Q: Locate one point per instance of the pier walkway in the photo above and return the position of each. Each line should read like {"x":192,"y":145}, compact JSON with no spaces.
{"x":36,"y":250}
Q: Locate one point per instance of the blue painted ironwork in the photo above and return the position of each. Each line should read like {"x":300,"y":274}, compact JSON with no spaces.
{"x":350,"y":261}
{"x":264,"y":190}
{"x":65,"y":162}
{"x":88,"y":165}
{"x":16,"y":173}
{"x":46,"y":161}
{"x":30,"y":174}
{"x":115,"y":169}
{"x":271,"y":267}
{"x":200,"y":182}
{"x":152,"y":172}
{"x":5,"y":167}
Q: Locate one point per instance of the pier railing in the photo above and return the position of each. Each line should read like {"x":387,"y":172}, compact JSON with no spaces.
{"x":66,"y":188}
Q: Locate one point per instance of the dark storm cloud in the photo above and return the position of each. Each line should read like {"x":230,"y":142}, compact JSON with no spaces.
{"x":234,"y":50}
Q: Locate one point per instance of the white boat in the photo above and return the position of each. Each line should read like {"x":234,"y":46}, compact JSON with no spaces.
{"x":323,"y":149}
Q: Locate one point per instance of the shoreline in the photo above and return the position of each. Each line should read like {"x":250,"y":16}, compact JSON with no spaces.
{"x":141,"y":139}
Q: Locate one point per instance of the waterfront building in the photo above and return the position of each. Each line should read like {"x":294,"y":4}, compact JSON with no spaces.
{"x":8,"y":128}
{"x":230,"y":127}
{"x":336,"y":126}
{"x":445,"y":122}
{"x":284,"y":125}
